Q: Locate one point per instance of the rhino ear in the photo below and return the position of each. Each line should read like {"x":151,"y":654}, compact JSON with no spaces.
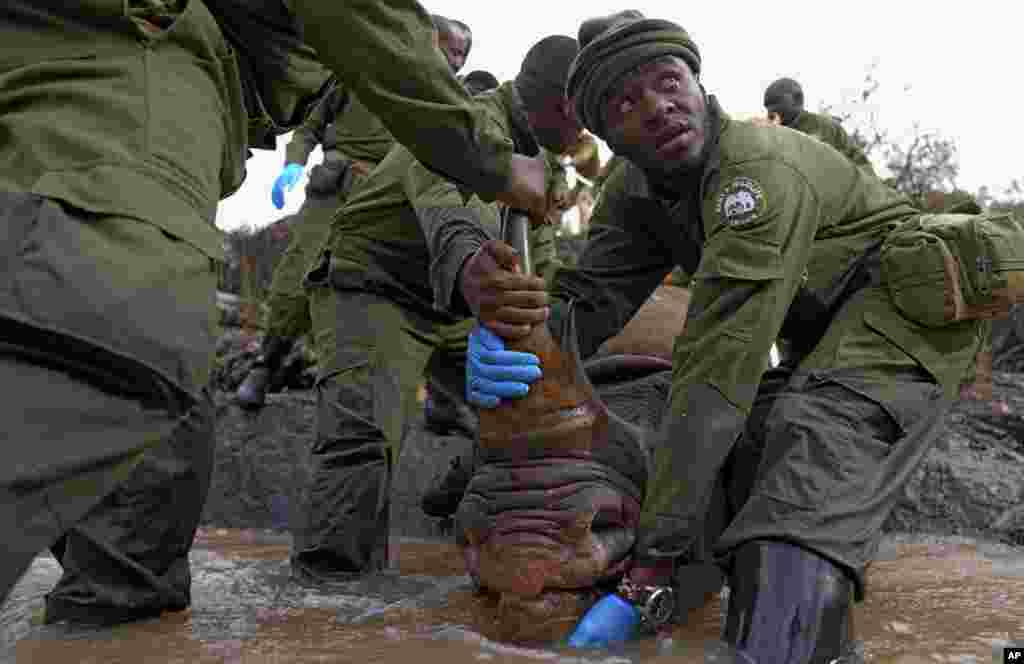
{"x":617,"y":426}
{"x":571,"y":347}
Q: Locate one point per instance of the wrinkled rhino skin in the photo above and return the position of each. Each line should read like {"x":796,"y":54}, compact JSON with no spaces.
{"x":551,"y":512}
{"x":543,"y":549}
{"x":652,"y":331}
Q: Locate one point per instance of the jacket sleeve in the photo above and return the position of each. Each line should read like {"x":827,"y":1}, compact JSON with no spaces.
{"x":313,"y":130}
{"x":384,"y":51}
{"x":282,"y":77}
{"x":759,"y":225}
{"x":622,"y":263}
{"x":454,"y":224}
{"x":751,"y":266}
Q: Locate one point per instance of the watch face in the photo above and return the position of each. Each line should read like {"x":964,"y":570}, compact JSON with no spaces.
{"x":660,"y":606}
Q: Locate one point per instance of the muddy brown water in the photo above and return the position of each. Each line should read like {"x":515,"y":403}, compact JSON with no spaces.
{"x":930,"y":600}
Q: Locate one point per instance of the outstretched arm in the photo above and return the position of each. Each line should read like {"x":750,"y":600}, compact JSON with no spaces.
{"x":384,"y":51}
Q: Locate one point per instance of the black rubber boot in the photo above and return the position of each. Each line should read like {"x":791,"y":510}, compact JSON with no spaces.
{"x":443,"y":500}
{"x":252,"y":393}
{"x":789,"y":606}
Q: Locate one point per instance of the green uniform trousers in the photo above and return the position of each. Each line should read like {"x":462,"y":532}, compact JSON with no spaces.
{"x":109,"y":434}
{"x":374,"y":354}
{"x":287,"y":302}
{"x":833,"y":437}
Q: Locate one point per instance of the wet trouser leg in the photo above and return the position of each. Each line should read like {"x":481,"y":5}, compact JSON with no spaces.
{"x":288,"y":314}
{"x":447,"y":375}
{"x":837,"y":444}
{"x":68,"y":445}
{"x":834,"y":459}
{"x":373,"y":353}
{"x":837,"y":447}
{"x":128,"y":557}
{"x":697,"y":575}
{"x":105,"y":342}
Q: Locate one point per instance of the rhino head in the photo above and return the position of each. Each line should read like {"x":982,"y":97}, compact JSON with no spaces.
{"x":549,"y":518}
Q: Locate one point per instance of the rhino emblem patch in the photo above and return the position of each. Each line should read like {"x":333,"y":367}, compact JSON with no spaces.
{"x":741,"y":201}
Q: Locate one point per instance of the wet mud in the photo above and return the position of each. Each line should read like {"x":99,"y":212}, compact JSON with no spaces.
{"x":931,"y":599}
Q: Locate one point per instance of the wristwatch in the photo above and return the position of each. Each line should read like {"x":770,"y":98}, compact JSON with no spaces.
{"x":656,"y":604}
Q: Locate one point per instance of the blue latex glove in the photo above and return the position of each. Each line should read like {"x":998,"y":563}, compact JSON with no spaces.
{"x":612,"y":620}
{"x":286,"y":181}
{"x":493,"y":373}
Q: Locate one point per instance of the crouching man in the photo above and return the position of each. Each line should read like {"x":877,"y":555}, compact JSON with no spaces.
{"x":384,"y":302}
{"x":784,"y":238}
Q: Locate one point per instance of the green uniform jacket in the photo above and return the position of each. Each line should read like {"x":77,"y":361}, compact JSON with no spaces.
{"x":384,"y":51}
{"x":407,"y":231}
{"x":91,"y":138}
{"x":827,"y":130}
{"x":103,"y":110}
{"x":773,"y":226}
{"x":344,"y":127}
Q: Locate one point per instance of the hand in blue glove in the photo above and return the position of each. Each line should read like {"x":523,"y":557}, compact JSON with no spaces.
{"x":493,"y":373}
{"x":612,"y":620}
{"x":286,"y":181}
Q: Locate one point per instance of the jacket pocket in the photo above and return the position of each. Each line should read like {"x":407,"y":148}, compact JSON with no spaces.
{"x":945,"y":268}
{"x":838,"y":441}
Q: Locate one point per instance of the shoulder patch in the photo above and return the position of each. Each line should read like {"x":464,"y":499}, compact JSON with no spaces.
{"x":741,"y":201}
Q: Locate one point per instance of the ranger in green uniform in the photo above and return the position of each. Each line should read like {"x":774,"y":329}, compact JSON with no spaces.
{"x":124,"y":123}
{"x":784,"y":101}
{"x":380,"y":301}
{"x":354,"y":141}
{"x":782,"y":236}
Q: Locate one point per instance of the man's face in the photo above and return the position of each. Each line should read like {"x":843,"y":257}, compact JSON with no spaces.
{"x":555,"y":125}
{"x":454,"y":44}
{"x":657,"y":118}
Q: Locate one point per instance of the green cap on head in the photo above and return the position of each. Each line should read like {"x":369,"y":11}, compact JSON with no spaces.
{"x":545,"y":69}
{"x":614,"y":45}
{"x":592,"y":27}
